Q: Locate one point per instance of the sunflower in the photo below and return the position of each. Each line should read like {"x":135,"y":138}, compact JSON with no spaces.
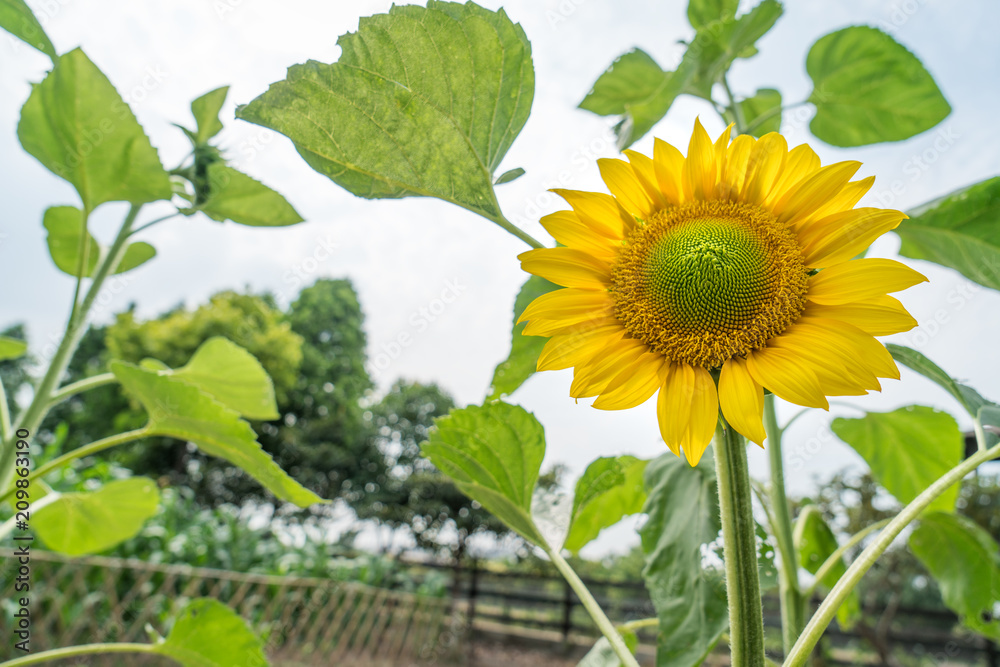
{"x":714,"y":277}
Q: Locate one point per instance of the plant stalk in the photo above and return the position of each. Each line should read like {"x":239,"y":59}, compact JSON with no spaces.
{"x":604,"y":624}
{"x":792,"y":600}
{"x":86,"y":384}
{"x":746,"y":617}
{"x":821,"y":619}
{"x":75,"y":651}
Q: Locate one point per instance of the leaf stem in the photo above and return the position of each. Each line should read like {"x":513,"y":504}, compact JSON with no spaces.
{"x":517,"y":231}
{"x":86,"y":384}
{"x":821,"y":619}
{"x":792,"y":608}
{"x":977,"y":425}
{"x":604,"y":624}
{"x":746,"y":617}
{"x":640,"y":624}
{"x":153,"y":222}
{"x":74,"y":651}
{"x":741,"y":127}
{"x":835,"y":557}
{"x":31,"y":418}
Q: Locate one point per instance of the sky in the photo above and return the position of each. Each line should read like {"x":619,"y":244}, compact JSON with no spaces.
{"x":403,"y":255}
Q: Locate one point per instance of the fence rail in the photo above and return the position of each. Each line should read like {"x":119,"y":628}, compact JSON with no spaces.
{"x":306,"y":621}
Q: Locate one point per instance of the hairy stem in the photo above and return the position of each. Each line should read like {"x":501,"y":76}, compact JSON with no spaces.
{"x":792,"y":607}
{"x":75,"y":651}
{"x":83,"y":385}
{"x":604,"y":624}
{"x":746,"y":617}
{"x":821,"y":619}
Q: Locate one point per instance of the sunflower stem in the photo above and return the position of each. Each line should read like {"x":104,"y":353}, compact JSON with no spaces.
{"x":734,"y":108}
{"x":746,"y":618}
{"x":792,"y":603}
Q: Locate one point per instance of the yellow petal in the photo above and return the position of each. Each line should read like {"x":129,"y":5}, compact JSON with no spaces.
{"x":700,"y":170}
{"x":766,"y":159}
{"x":742,"y":400}
{"x":878,"y":316}
{"x":567,"y":309}
{"x":601,"y":212}
{"x":688,"y":410}
{"x":735,"y":170}
{"x":861,"y":279}
{"x":625,"y":187}
{"x":862,"y":346}
{"x":569,"y":350}
{"x":841,"y":236}
{"x":801,"y":163}
{"x":592,"y":377}
{"x":782,"y":373}
{"x":845,"y":200}
{"x":668,"y":163}
{"x":811,"y":193}
{"x":835,"y":377}
{"x":567,"y":267}
{"x":634,"y":385}
{"x":567,"y":228}
{"x":645,"y":173}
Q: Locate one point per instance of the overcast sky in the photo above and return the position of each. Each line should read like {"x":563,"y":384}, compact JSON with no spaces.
{"x":401,"y":254}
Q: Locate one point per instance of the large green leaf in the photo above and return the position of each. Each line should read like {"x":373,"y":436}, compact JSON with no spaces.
{"x":815,"y":543}
{"x":423,"y":102}
{"x":690,"y":601}
{"x":210,"y":634}
{"x":524,"y":350}
{"x":182,"y":410}
{"x":235,"y":196}
{"x":965,"y":560}
{"x":868,"y":88}
{"x":64,"y":225}
{"x":87,"y":523}
{"x":969,"y":398}
{"x":17,"y":19}
{"x":907,"y":449}
{"x":492,"y":453}
{"x":11,"y":348}
{"x":701,"y":13}
{"x":77,"y":125}
{"x":762,"y":111}
{"x":718,"y":44}
{"x":960,"y":230}
{"x":602,"y":655}
{"x":610,"y":489}
{"x":206,"y":114}
{"x":232,"y":376}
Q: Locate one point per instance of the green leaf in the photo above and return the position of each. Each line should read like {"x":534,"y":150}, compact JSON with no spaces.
{"x":17,"y":19}
{"x":181,"y":410}
{"x":206,"y":114}
{"x":907,"y":449}
{"x":969,"y":398}
{"x":610,"y":489}
{"x":636,"y":88}
{"x":701,"y":13}
{"x":235,"y":196}
{"x":815,"y":543}
{"x":423,"y":102}
{"x":64,"y":225}
{"x":960,"y":230}
{"x":87,"y":523}
{"x":602,"y":655}
{"x":76,"y":124}
{"x":232,"y":376}
{"x":492,"y":453}
{"x":11,"y":348}
{"x":868,"y":88}
{"x":965,"y":560}
{"x":509,"y":176}
{"x":522,"y":361}
{"x":210,"y":634}
{"x":765,"y":107}
{"x":683,"y":510}
{"x":718,"y":44}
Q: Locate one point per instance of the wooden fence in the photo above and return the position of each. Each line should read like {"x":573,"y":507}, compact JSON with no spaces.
{"x":306,"y":621}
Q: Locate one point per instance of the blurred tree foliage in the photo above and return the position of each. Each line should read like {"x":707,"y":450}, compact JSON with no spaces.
{"x":14,"y":372}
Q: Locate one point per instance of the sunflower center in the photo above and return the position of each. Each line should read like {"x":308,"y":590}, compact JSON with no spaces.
{"x":709,"y":281}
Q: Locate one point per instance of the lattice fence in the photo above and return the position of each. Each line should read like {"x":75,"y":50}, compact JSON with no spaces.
{"x":305,"y":621}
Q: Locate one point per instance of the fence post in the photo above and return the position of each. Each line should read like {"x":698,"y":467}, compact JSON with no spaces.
{"x":473,"y":592}
{"x":567,"y":619}
{"x":992,"y":654}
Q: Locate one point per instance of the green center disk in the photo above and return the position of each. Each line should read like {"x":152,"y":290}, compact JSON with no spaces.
{"x":708,"y":274}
